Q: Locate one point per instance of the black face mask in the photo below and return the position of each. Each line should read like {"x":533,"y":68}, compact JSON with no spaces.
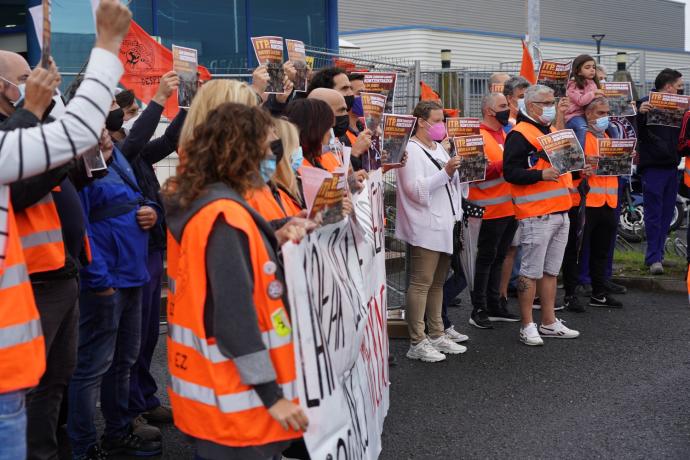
{"x":277,"y":149}
{"x":115,"y":119}
{"x":349,"y":101}
{"x":503,"y":117}
{"x":342,"y":122}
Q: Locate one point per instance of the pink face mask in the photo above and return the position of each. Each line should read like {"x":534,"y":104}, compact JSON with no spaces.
{"x":437,"y":131}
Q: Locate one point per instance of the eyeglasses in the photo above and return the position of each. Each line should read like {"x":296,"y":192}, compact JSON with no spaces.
{"x":545,"y":103}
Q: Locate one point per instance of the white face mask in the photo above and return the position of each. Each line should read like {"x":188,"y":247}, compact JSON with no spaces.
{"x":21,"y":88}
{"x":548,"y":115}
{"x":521,"y":105}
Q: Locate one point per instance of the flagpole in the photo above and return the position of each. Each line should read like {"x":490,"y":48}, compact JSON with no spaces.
{"x":534,"y":28}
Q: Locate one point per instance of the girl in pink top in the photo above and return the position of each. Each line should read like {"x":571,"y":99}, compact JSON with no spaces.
{"x":583,"y":88}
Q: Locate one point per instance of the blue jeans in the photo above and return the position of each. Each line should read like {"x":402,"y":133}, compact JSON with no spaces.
{"x":142,"y":385}
{"x":12,"y":425}
{"x":579,"y":125}
{"x":109,"y":336}
{"x":659,"y":190}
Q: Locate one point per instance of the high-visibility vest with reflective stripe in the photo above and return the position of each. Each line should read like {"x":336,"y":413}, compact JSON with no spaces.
{"x":603,"y":190}
{"x":494,"y":194}
{"x":543,"y":197}
{"x":575,"y":193}
{"x":686,"y":174}
{"x":40,"y":233}
{"x":22,"y":349}
{"x":209,"y":399}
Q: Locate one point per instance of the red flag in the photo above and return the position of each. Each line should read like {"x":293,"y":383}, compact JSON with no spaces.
{"x":427,"y":93}
{"x":145,"y":61}
{"x":527,"y":66}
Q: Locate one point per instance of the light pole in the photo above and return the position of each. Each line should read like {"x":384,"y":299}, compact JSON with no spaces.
{"x":598,"y":38}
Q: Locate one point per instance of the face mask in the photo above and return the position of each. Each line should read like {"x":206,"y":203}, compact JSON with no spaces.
{"x":342,"y":122}
{"x":331,"y":143}
{"x":602,"y":124}
{"x":267,"y":169}
{"x":21,"y":88}
{"x":357,"y":108}
{"x":277,"y":149}
{"x":521,"y":105}
{"x":114,"y":120}
{"x":349,"y":101}
{"x":437,"y":131}
{"x":127,"y":125}
{"x":548,"y":115}
{"x":297,"y":159}
{"x":503,"y":117}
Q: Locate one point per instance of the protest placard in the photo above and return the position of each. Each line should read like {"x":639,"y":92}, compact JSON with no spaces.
{"x":323,"y":193}
{"x":298,"y":57}
{"x":269,"y":52}
{"x":185,"y":63}
{"x":496,"y":88}
{"x":564,"y":151}
{"x":397,"y":130}
{"x":336,"y":284}
{"x":382,"y":83}
{"x":373,"y":106}
{"x":463,"y":126}
{"x":619,"y":94}
{"x":615,"y":157}
{"x":667,"y":109}
{"x":555,"y":75}
{"x":473,"y":162}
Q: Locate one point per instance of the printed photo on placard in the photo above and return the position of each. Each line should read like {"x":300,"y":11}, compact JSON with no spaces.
{"x":619,"y":94}
{"x":473,"y":162}
{"x":397,"y":130}
{"x":555,"y":75}
{"x":615,"y":157}
{"x":462,"y":126}
{"x":564,"y":151}
{"x":667,"y":109}
{"x":382,"y":83}
{"x":269,"y":52}
{"x":185,"y":63}
{"x":297,"y":55}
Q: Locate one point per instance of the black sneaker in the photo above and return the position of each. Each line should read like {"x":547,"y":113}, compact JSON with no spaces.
{"x":501,"y":312}
{"x":585,"y":290}
{"x":480,"y":319}
{"x":605,"y":301}
{"x":94,"y":453}
{"x":456,"y":302}
{"x":131,"y":444}
{"x":613,"y":288}
{"x":571,"y":303}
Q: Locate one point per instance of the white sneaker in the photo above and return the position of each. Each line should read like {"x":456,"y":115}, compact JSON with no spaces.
{"x":445,"y":345}
{"x":529,"y":335}
{"x":558,"y":330}
{"x":455,"y":336}
{"x":424,"y":351}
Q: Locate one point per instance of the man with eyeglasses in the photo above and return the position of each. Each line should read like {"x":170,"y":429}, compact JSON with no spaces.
{"x":541,"y":199}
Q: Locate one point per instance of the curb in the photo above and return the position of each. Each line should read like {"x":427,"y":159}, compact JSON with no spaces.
{"x":652,"y":284}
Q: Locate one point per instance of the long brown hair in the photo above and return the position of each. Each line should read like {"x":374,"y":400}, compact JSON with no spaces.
{"x":578,"y":62}
{"x":227,"y":147}
{"x":313,"y":118}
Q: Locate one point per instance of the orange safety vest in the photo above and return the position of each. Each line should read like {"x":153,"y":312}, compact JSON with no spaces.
{"x":21,"y":338}
{"x":40,"y":232}
{"x":292,"y":208}
{"x":603,"y":190}
{"x":494,"y":194}
{"x":263,"y":201}
{"x":575,"y":193}
{"x":351,"y":137}
{"x":208,"y":398}
{"x":543,"y":197}
{"x":328,"y":161}
{"x":686,"y":173}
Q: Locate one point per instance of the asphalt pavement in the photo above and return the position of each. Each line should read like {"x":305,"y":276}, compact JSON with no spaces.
{"x":620,"y":391}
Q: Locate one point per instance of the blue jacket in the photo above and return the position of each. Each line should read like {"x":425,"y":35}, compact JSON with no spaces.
{"x":119,"y":247}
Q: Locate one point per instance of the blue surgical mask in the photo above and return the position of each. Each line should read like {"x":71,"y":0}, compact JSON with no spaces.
{"x":357,"y":108}
{"x":267,"y":169}
{"x":297,"y":158}
{"x":548,"y":115}
{"x":602,"y":124}
{"x":521,"y":105}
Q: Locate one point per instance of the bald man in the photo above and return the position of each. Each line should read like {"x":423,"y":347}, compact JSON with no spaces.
{"x":337,"y":102}
{"x":14,"y":70}
{"x":498,"y":78}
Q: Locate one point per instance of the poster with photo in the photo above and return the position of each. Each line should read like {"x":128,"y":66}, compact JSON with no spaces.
{"x":620,"y":96}
{"x":382,"y":83}
{"x":615,"y":157}
{"x":324,"y":193}
{"x":397,"y":130}
{"x":185,"y":63}
{"x":564,"y":151}
{"x":667,"y":109}
{"x":373,"y":106}
{"x":555,"y":75}
{"x":297,"y":55}
{"x":473,"y":162}
{"x":462,"y":126}
{"x":269,"y":52}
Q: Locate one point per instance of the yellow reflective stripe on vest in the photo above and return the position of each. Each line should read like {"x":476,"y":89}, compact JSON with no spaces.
{"x":14,"y":275}
{"x":228,"y":403}
{"x":488,"y":183}
{"x":18,"y":334}
{"x":493,"y":201}
{"x":187,"y":337}
{"x":604,"y":190}
{"x":38,"y":238}
{"x":533,"y":197}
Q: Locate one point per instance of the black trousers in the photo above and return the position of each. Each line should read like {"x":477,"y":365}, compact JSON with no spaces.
{"x":494,"y":240}
{"x":600,"y":226}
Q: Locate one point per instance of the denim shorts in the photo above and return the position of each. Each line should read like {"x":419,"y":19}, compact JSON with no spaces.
{"x":543,"y":240}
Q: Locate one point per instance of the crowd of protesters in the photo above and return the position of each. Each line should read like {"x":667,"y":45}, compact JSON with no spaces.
{"x":82,"y":251}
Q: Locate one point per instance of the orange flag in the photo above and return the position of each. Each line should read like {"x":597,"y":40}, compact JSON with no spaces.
{"x":527,"y":66}
{"x":145,"y":61}
{"x":427,"y":93}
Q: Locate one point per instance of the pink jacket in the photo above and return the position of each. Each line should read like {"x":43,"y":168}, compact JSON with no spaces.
{"x":579,"y":98}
